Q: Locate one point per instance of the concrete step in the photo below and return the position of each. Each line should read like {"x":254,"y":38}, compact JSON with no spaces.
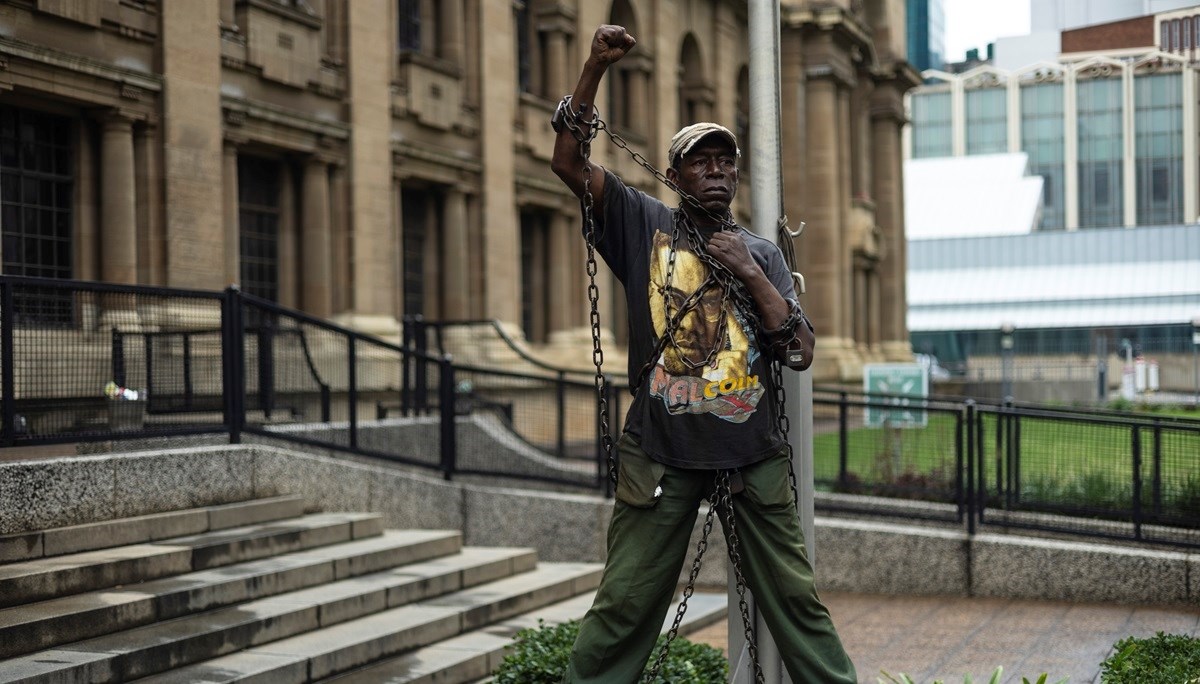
{"x":145,"y":528}
{"x":344,"y":647}
{"x":160,"y":646}
{"x":474,"y":656}
{"x":36,"y":626}
{"x":29,"y":581}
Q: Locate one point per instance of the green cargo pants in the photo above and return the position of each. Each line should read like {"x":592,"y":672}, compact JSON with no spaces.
{"x":648,"y":540}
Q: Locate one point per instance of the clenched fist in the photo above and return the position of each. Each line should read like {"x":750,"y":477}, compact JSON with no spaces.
{"x":611,"y":43}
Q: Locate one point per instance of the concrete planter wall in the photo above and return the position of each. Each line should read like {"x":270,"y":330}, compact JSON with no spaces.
{"x":851,"y":555}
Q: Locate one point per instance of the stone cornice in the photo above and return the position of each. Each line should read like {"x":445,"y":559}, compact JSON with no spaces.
{"x":312,"y":21}
{"x":55,"y":59}
{"x":238,"y":110}
{"x":413,"y":150}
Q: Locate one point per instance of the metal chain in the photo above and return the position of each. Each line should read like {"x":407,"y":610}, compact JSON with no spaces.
{"x":735,"y":559}
{"x":589,"y":221}
{"x":688,"y":590}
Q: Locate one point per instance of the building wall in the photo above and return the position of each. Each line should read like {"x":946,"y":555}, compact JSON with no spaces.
{"x":370,"y":159}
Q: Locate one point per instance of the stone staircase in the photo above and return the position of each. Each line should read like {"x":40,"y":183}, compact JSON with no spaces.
{"x":259,"y":591}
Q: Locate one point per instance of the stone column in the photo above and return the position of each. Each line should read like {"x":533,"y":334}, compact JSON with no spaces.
{"x":450,"y":30}
{"x":502,"y":261}
{"x":86,"y":219}
{"x":561,"y":266}
{"x":289,"y":240}
{"x":860,"y":312}
{"x":873,"y":309}
{"x":556,"y":65}
{"x":372,"y":286}
{"x":192,"y":144}
{"x":118,"y":203}
{"x":823,"y":238}
{"x":456,"y":295}
{"x":151,"y":256}
{"x":887,"y":122}
{"x":315,"y":294}
{"x":232,"y":232}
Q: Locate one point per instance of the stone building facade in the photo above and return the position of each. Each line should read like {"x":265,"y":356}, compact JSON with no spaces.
{"x":366,"y":159}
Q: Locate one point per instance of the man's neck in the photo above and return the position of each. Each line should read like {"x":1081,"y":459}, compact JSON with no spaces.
{"x":704,"y":223}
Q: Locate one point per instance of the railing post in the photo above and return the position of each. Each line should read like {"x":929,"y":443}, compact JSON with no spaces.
{"x":969,"y":490}
{"x":406,"y":367}
{"x":420,"y":380}
{"x":352,"y":381}
{"x":189,"y":394}
{"x":1015,"y":491}
{"x":448,"y":410}
{"x":266,"y":364}
{"x":1156,"y":482}
{"x":958,"y":464}
{"x":1137,"y":482}
{"x":118,"y":357}
{"x":7,"y":363}
{"x":844,"y":441}
{"x":232,"y":382}
{"x":561,"y":398}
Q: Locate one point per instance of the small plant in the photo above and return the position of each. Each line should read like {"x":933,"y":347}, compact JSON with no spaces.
{"x":995,"y":679}
{"x":539,"y":655}
{"x":1161,"y":659}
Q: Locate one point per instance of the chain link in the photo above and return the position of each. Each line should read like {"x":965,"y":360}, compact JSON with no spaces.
{"x":735,"y":559}
{"x":688,"y":590}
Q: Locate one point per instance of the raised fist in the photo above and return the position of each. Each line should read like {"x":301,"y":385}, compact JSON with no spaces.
{"x":611,"y":43}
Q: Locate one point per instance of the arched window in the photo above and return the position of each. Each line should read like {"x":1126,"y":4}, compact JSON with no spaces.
{"x":622,"y":82}
{"x":694,"y":99}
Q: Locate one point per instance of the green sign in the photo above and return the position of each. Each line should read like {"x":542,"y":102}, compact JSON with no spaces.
{"x":895,"y":392}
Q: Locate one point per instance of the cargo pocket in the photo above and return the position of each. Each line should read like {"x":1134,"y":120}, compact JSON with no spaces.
{"x":638,"y":475}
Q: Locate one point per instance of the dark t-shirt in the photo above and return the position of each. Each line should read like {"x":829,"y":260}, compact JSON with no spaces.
{"x":708,"y":400}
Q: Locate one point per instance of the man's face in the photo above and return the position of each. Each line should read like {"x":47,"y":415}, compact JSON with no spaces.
{"x":699,"y":330}
{"x":709,"y":173}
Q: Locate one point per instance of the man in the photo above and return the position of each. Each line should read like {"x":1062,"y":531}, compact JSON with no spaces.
{"x":700,"y":352}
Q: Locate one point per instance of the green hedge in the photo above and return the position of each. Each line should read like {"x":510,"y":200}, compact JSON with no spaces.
{"x":539,"y":656}
{"x":1161,"y":659}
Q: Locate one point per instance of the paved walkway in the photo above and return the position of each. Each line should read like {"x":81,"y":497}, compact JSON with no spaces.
{"x":947,"y":638}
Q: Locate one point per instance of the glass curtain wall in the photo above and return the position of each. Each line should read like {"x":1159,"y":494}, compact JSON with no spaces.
{"x":987,"y":120}
{"x":1158,"y":125}
{"x":1042,"y":140}
{"x":932,"y":126}
{"x":1100,"y":147}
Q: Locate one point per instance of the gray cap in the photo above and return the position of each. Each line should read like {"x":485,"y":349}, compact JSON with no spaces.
{"x":690,"y":135}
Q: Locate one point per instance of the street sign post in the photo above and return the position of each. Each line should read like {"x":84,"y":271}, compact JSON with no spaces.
{"x":906,"y":386}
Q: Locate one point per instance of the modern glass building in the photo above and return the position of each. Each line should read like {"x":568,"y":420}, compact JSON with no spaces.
{"x":926,"y":32}
{"x":1113,"y":139}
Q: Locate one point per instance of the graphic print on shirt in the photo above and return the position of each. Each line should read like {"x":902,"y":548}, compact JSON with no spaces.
{"x":706,"y":367}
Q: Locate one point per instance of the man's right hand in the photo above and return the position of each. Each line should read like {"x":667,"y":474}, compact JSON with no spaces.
{"x":610,"y":44}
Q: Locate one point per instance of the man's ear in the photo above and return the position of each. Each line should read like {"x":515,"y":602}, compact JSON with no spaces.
{"x":672,"y":174}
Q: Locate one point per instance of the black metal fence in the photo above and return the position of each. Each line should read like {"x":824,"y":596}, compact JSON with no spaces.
{"x":83,"y":362}
{"x":1082,"y":472}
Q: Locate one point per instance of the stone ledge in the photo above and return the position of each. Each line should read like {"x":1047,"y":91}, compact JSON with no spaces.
{"x":851,"y":555}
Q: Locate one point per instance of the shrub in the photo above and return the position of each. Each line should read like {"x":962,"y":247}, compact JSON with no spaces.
{"x":539,"y":656}
{"x":1162,"y":659}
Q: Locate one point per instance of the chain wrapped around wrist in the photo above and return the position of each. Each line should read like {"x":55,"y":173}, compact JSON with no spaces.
{"x":567,"y":116}
{"x":785,"y":334}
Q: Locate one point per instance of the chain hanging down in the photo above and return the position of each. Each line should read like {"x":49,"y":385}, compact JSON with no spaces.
{"x":719,"y":276}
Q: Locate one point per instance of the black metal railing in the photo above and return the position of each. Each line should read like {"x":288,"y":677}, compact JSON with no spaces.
{"x":233,"y":364}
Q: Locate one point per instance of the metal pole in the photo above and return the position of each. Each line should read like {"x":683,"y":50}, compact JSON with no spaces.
{"x":766,"y":204}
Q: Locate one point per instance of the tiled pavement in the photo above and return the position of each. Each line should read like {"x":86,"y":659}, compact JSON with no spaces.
{"x":947,"y":638}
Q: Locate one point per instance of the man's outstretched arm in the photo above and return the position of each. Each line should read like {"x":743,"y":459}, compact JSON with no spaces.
{"x":610,"y":44}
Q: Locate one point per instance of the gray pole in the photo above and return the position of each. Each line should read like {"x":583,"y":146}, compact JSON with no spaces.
{"x":766,"y":203}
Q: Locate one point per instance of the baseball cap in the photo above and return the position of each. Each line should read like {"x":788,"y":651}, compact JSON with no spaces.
{"x":688,"y":136}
